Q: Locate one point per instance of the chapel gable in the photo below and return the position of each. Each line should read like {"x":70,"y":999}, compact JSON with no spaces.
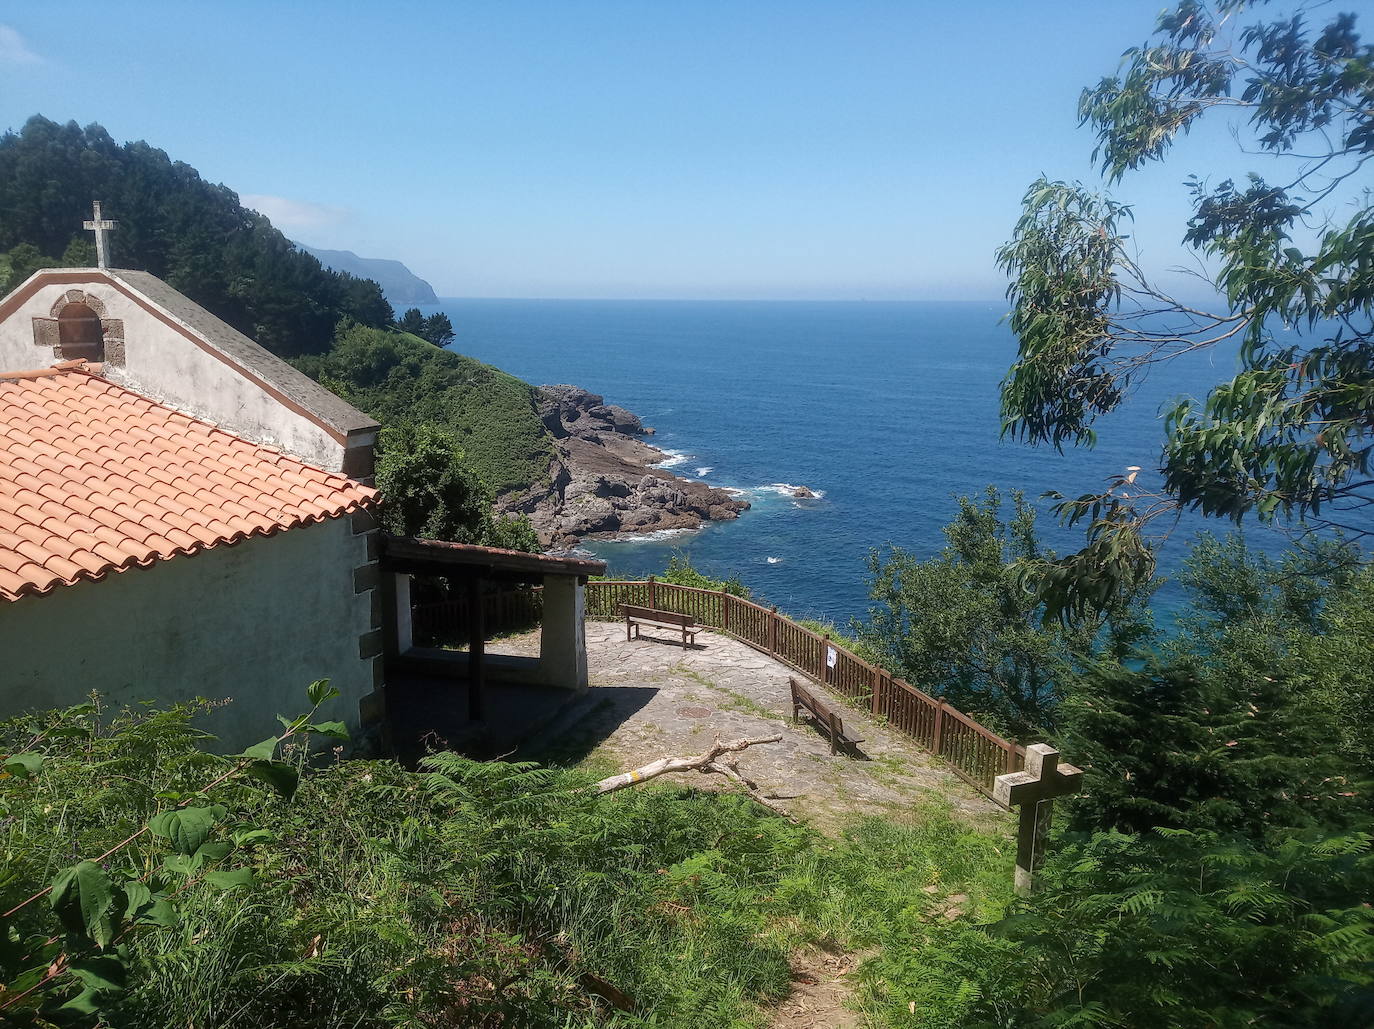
{"x":150,"y":338}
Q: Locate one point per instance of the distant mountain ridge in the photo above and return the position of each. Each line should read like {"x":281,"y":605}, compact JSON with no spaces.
{"x":399,"y":283}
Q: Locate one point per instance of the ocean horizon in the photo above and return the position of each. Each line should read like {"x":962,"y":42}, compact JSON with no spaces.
{"x":886,"y":410}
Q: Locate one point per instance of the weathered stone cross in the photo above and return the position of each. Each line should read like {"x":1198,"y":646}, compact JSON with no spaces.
{"x":1033,"y":790}
{"x":100,"y":226}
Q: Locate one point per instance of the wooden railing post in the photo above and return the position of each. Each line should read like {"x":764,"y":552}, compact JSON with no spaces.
{"x":724,"y":611}
{"x":1011,"y":755}
{"x":877,"y":680}
{"x":773,"y":633}
{"x":825,"y":659}
{"x":939,"y":726}
{"x":653,"y":593}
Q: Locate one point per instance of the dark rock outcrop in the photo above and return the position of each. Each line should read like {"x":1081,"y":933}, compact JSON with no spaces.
{"x":586,"y":415}
{"x":603,"y":482}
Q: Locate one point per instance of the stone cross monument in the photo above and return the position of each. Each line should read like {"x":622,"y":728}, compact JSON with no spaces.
{"x":100,"y":226}
{"x":1033,"y":790}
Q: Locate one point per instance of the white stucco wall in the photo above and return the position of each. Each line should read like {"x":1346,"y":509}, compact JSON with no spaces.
{"x":255,"y":622}
{"x":163,"y":364}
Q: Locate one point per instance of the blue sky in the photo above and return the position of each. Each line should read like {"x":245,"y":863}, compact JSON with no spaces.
{"x":841,"y":150}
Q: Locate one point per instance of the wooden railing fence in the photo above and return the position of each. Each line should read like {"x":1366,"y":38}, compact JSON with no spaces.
{"x":445,"y":622}
{"x":973,"y":752}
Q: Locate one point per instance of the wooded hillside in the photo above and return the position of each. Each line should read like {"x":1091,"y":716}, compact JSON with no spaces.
{"x":174,"y":224}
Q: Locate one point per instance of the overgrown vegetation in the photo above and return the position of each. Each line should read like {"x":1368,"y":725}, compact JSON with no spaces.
{"x":681,"y":572}
{"x":422,"y":472}
{"x":1222,"y":838}
{"x":398,"y":378}
{"x":464,"y":894}
{"x":962,"y":624}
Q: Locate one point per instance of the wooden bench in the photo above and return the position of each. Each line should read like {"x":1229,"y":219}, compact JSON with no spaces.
{"x":637,"y":616}
{"x":824,"y":715}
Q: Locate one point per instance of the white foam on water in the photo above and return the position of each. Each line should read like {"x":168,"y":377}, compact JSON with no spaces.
{"x":786,"y":489}
{"x":673,"y":459}
{"x":656,"y":536}
{"x":704,"y":471}
{"x":775,"y":560}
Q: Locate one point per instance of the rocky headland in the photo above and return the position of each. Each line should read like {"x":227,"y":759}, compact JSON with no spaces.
{"x":603,"y":482}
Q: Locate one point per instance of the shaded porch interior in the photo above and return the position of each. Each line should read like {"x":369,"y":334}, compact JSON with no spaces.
{"x":444,"y":687}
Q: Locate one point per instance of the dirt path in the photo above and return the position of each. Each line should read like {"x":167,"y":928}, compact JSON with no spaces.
{"x":821,"y":989}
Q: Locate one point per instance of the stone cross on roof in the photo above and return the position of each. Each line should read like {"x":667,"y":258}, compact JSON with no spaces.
{"x":100,"y":226}
{"x":1033,"y":790}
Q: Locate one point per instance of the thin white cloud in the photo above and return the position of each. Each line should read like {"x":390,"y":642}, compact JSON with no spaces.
{"x":291,"y":215}
{"x":13,"y":49}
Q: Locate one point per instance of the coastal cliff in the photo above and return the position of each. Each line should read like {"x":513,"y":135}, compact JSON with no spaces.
{"x":603,"y":481}
{"x":401,"y":285}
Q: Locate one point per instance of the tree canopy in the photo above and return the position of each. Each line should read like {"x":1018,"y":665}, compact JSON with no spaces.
{"x":174,"y":224}
{"x":961,"y":625}
{"x":1288,"y":254}
{"x":436,"y":328}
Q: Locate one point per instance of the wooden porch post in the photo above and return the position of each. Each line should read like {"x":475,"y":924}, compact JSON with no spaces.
{"x":477,"y":638}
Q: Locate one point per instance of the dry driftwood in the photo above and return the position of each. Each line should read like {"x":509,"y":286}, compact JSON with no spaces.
{"x":714,"y":760}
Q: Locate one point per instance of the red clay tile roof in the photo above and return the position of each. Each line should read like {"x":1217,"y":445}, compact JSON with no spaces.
{"x":95,"y":479}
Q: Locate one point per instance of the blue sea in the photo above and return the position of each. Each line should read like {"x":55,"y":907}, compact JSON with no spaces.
{"x":886,"y":411}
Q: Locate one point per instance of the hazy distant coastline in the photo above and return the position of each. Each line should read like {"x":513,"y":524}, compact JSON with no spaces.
{"x":403,"y":288}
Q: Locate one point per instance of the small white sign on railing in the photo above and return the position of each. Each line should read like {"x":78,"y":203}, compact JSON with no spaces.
{"x":830,"y":657}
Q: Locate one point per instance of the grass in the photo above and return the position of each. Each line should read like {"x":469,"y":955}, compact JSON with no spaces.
{"x":481,"y":893}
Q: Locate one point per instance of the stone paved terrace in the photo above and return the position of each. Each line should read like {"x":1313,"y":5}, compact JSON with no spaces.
{"x":651,"y":699}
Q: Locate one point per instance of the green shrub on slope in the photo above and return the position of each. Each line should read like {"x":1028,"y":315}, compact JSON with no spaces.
{"x":396,"y":377}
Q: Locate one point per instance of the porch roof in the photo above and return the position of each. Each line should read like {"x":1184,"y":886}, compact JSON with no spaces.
{"x":438,"y":557}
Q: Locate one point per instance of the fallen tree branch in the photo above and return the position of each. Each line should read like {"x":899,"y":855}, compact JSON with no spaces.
{"x":705,"y":763}
{"x":731,"y":771}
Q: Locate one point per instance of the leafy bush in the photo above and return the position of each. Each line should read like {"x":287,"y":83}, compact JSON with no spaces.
{"x":681,"y":572}
{"x":1217,"y":867}
{"x":429,"y":493}
{"x":962,"y":625}
{"x":287,"y":892}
